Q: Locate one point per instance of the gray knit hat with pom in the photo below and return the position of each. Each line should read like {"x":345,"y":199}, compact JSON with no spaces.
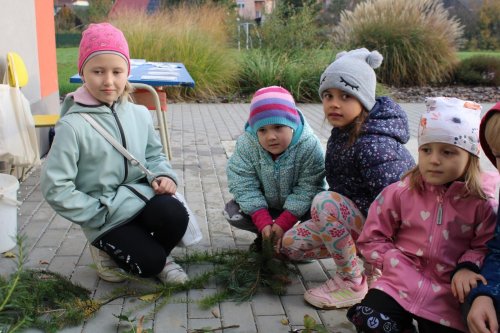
{"x":352,"y":72}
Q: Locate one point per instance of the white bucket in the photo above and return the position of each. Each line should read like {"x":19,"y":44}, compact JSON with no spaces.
{"x":8,"y":211}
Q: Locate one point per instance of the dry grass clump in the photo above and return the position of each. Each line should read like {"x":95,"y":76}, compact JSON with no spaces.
{"x":197,"y":37}
{"x":417,"y":38}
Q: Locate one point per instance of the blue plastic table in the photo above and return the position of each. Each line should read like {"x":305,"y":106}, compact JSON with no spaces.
{"x":156,"y":74}
{"x":146,"y":75}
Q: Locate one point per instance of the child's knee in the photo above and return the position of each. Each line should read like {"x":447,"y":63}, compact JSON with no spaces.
{"x":232,"y":211}
{"x":367,"y":319}
{"x":320,"y":198}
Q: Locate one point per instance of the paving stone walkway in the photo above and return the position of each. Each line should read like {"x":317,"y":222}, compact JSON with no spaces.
{"x":202,"y":136}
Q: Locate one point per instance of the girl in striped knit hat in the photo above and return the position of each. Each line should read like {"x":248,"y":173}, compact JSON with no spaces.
{"x":276,"y":170}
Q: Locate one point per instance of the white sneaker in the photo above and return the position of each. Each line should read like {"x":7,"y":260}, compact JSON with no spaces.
{"x":107,"y":269}
{"x":172,"y":272}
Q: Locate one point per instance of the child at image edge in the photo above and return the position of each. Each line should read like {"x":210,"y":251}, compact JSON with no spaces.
{"x":364,"y":154}
{"x":485,"y":299}
{"x":130,"y":220}
{"x":276,"y":169}
{"x":428,"y":229}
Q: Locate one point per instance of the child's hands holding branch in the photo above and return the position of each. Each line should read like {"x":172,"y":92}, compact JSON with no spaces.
{"x":463,"y":281}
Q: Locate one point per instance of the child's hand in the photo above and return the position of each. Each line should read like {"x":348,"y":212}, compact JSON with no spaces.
{"x":482,"y":316}
{"x":278,"y":234}
{"x":164,"y":185}
{"x":267,"y":231}
{"x":463,"y":281}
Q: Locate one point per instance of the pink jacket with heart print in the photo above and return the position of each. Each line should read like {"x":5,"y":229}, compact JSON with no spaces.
{"x":418,"y":239}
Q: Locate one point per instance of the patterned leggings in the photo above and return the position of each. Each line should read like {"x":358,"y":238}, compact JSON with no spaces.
{"x":335,"y":226}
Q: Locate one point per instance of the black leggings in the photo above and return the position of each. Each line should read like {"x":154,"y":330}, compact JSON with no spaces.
{"x":141,"y":246}
{"x":380,"y":313}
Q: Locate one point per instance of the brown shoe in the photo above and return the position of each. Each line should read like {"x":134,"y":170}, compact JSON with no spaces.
{"x":107,"y":269}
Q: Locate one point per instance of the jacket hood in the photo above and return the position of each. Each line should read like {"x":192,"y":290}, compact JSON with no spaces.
{"x":387,"y":118}
{"x":296,"y":134}
{"x":482,"y":128}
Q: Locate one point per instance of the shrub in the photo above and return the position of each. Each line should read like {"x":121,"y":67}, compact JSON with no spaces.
{"x":479,"y":70}
{"x":196,"y":37}
{"x":289,"y":29}
{"x":417,"y":38}
{"x":68,"y":39}
{"x":299,"y":73}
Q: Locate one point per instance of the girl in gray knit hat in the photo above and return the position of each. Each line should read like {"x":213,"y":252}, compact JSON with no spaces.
{"x":364,"y":154}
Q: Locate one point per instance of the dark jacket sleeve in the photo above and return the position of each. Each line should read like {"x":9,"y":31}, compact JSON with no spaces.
{"x":490,"y":271}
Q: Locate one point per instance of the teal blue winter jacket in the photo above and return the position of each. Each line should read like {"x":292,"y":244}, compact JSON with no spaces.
{"x":86,"y":180}
{"x":288,"y":183}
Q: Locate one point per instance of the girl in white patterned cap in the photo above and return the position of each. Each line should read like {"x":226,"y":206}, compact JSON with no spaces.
{"x":429,"y":229}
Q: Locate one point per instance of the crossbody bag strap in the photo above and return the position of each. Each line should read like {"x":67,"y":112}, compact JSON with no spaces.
{"x":116,"y":144}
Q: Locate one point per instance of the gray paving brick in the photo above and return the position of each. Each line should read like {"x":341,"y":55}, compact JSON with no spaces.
{"x":335,"y":321}
{"x":199,"y":323}
{"x":312,"y":271}
{"x":64,"y":265}
{"x":265,"y":304}
{"x":171,"y":318}
{"x":238,"y":314}
{"x":296,"y":308}
{"x":52,"y":238}
{"x":40,"y":257}
{"x":194,"y":311}
{"x":104,"y":320}
{"x":272,"y":324}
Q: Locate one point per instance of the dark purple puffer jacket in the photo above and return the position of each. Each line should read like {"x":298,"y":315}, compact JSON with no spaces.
{"x":377,"y":158}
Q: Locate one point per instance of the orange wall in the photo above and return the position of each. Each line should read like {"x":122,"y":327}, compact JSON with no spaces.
{"x":46,"y":41}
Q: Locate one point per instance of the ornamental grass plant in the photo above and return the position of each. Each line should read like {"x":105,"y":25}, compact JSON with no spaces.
{"x":297,"y":72}
{"x":417,"y":38}
{"x":197,"y":37}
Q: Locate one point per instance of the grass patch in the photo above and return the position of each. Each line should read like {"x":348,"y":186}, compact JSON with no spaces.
{"x":67,"y":66}
{"x":462,"y":55}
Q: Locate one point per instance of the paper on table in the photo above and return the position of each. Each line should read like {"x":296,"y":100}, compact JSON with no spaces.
{"x":172,"y":73}
{"x":159,"y":78}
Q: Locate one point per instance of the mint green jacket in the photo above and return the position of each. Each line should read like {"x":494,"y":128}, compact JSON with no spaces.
{"x":86,"y":180}
{"x":290,"y":182}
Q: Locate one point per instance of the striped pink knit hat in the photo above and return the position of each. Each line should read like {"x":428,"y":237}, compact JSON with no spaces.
{"x":273,"y":105}
{"x":101,"y":38}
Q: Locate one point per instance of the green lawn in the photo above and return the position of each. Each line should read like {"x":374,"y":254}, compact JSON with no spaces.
{"x":467,"y":54}
{"x":67,"y":66}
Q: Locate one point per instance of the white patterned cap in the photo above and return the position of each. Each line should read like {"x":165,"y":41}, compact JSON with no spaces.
{"x":451,"y":120}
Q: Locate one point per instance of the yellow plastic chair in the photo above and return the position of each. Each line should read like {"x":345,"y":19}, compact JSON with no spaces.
{"x":15,"y":64}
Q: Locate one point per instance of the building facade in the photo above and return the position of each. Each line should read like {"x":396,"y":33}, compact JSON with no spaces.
{"x":27,"y":28}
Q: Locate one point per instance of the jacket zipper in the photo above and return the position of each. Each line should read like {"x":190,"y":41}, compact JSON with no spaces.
{"x":139,"y":195}
{"x":440,"y":209}
{"x":122,"y":137}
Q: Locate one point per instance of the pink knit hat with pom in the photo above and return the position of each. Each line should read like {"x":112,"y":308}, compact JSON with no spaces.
{"x":101,"y":38}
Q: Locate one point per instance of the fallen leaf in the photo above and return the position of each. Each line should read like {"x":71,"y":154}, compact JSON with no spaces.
{"x":216,"y":312}
{"x":284,"y":321}
{"x":150,"y":297}
{"x":139,"y":324}
{"x":43,"y":262}
{"x":9,"y":254}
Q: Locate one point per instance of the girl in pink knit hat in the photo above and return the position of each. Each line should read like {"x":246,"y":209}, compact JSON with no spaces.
{"x":131,"y":220}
